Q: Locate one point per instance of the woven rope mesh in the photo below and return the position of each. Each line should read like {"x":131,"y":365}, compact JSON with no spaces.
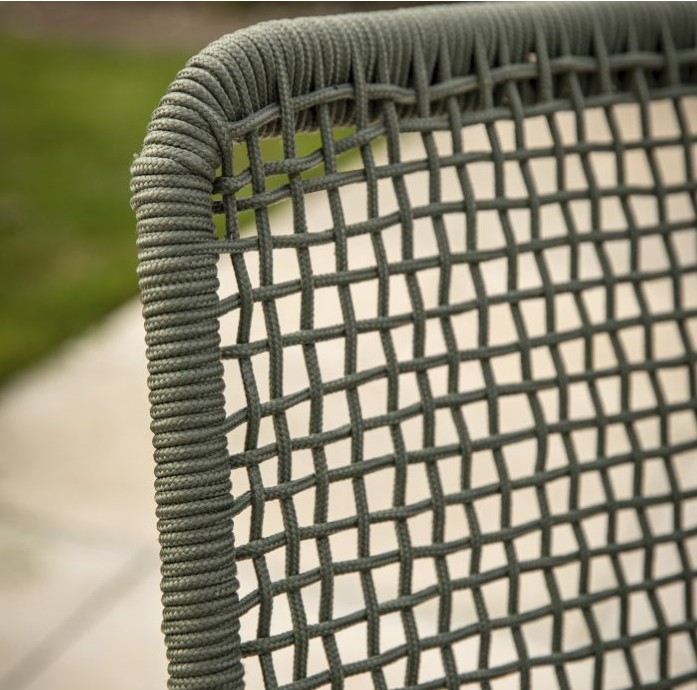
{"x":458,"y":328}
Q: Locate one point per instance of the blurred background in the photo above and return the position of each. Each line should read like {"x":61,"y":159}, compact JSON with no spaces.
{"x":78,"y":551}
{"x":79,"y":83}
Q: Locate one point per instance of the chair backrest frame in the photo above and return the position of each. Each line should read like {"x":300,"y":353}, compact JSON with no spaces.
{"x":424,"y":65}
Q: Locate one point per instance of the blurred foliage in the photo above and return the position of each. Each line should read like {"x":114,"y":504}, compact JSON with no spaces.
{"x":72,"y":118}
{"x":308,"y":146}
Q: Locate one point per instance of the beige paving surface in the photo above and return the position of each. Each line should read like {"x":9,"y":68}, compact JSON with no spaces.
{"x":78,"y":559}
{"x":79,"y":591}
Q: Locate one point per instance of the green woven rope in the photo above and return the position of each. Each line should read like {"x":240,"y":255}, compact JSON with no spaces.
{"x":424,"y":71}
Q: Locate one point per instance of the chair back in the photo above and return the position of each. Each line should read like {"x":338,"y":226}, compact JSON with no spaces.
{"x":420,"y":293}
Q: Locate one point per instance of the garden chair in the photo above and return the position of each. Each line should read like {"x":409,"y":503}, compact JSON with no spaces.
{"x":420,"y":293}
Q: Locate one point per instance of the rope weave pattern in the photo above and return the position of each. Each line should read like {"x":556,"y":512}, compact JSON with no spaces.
{"x":366,"y":83}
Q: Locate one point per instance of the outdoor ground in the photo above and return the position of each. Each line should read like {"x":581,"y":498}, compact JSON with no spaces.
{"x":67,"y":244}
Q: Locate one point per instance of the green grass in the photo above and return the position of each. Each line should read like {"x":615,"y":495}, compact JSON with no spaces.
{"x":71,"y":120}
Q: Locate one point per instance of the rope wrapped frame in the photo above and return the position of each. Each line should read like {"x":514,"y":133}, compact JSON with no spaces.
{"x":383,"y":74}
